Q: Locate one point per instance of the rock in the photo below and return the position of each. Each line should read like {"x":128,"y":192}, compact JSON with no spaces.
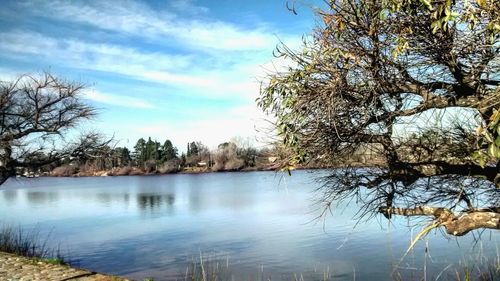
{"x":14,"y":268}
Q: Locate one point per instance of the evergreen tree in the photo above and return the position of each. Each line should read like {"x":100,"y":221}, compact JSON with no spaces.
{"x":193,"y":149}
{"x":140,"y":152}
{"x":183,"y":159}
{"x":169,"y":152}
{"x":150,"y":149}
{"x":124,"y":156}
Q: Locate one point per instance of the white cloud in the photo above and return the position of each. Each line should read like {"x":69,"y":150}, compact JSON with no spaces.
{"x":138,"y":19}
{"x":80,"y":54}
{"x":7,"y":74}
{"x":210,"y":127}
{"x":236,"y":80}
{"x":123,"y":101}
{"x":222,"y":61}
{"x":187,"y":6}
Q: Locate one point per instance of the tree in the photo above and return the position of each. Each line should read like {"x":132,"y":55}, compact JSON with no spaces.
{"x":169,"y":152}
{"x":245,"y":150}
{"x":122,"y":155}
{"x":192,"y":149}
{"x":140,"y":154}
{"x":36,"y":114}
{"x":152,"y":148}
{"x":226,"y":158}
{"x":375,"y":69}
{"x":197,"y":152}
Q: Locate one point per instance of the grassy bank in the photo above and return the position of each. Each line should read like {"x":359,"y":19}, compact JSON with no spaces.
{"x":29,"y":243}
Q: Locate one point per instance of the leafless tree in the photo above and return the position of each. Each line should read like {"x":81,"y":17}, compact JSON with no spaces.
{"x":37,"y":113}
{"x":372,"y":70}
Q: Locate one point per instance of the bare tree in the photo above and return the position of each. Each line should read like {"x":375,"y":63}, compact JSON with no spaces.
{"x":37,"y":113}
{"x":372,"y":70}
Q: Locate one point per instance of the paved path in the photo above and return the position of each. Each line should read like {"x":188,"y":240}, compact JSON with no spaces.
{"x":15,"y":268}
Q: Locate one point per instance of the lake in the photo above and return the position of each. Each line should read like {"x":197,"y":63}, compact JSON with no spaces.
{"x":261,"y":224}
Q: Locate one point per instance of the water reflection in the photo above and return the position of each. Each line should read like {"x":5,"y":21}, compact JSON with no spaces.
{"x":205,"y":191}
{"x":152,"y":226}
{"x":10,"y":195}
{"x":105,"y":198}
{"x":152,"y":203}
{"x":195,"y":199}
{"x":42,"y":197}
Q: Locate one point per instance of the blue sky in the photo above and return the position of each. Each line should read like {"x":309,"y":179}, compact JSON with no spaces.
{"x":186,"y":70}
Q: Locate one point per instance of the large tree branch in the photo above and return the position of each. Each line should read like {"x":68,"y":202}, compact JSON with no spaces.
{"x":454,"y":224}
{"x":436,"y":168}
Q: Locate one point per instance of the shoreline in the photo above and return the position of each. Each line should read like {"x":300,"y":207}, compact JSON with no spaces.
{"x":16,"y":267}
{"x":134,"y":171}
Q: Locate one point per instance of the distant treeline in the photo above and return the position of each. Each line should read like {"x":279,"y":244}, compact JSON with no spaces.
{"x":150,"y":157}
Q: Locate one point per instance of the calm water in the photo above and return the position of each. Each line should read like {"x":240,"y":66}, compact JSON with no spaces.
{"x":261,"y":223}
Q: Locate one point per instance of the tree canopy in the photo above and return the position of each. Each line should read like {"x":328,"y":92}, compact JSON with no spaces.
{"x":373,"y":72}
{"x":36,"y":113}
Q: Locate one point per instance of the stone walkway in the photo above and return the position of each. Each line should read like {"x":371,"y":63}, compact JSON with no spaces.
{"x":15,"y":268}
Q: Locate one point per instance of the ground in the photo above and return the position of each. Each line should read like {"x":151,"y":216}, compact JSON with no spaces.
{"x":16,"y":268}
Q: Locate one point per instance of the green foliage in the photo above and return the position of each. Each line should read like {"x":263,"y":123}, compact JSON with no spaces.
{"x":140,"y":152}
{"x":168,"y":151}
{"x":443,"y":16}
{"x":283,"y":94}
{"x":488,"y":145}
{"x":152,"y":152}
{"x":193,"y":149}
{"x":56,"y":261}
{"x":372,"y":73}
{"x":28,"y":243}
{"x":124,"y":155}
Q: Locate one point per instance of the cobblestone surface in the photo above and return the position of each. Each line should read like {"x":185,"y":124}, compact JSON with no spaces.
{"x":15,"y":268}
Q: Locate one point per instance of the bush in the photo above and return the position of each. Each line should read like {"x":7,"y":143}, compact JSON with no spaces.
{"x":171,"y":166}
{"x":88,"y":169}
{"x":64,"y":171}
{"x":218,"y":166}
{"x":121,"y":171}
{"x":150,"y":166}
{"x":234,"y":164}
{"x":136,"y":172}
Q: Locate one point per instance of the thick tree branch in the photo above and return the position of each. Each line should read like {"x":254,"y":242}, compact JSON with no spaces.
{"x":457,"y":225}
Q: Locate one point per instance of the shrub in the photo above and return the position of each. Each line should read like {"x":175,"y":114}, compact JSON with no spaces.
{"x":64,"y":171}
{"x":171,"y":166}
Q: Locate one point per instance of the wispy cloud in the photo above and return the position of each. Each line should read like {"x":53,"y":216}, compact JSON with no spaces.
{"x":174,"y":70}
{"x":85,"y":54}
{"x":188,"y":6}
{"x":121,"y":100}
{"x":177,"y":45}
{"x":218,"y":128}
{"x":140,"y":20}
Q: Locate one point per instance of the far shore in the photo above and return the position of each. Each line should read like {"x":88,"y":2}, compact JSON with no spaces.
{"x":135,"y":171}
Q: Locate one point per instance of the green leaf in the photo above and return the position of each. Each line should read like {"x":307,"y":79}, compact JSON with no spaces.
{"x":436,"y":25}
{"x":488,"y":136}
{"x":383,"y":14}
{"x":427,"y":4}
{"x":493,"y":150}
{"x":480,"y":157}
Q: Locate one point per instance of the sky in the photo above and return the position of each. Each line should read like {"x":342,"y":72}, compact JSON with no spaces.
{"x":184,"y":70}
